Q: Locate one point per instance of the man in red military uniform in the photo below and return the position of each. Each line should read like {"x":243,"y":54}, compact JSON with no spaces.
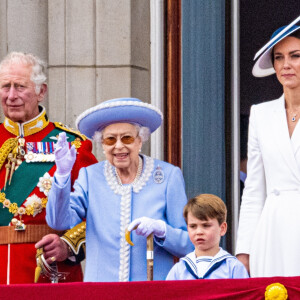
{"x":27,"y":166}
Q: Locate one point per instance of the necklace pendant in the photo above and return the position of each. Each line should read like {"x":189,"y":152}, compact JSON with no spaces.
{"x":293,"y":118}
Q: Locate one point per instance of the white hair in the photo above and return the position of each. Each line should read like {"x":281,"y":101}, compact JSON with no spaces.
{"x":38,"y":72}
{"x":143,"y":132}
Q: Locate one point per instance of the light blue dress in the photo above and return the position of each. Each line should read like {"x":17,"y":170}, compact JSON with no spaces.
{"x":223,"y":265}
{"x":110,"y":207}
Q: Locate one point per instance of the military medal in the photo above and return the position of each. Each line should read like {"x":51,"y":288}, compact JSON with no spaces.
{"x":21,"y":150}
{"x":30,"y":147}
{"x":31,"y":151}
{"x":39,"y":152}
{"x":29,"y":157}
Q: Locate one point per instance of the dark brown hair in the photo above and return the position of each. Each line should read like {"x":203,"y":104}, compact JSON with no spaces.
{"x":206,"y":206}
{"x":295,"y":34}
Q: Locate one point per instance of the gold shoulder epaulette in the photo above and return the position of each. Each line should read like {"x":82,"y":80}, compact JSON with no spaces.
{"x":75,"y":237}
{"x":71,"y":130}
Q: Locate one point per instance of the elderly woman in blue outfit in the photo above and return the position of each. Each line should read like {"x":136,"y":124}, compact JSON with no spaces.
{"x":127,"y":190}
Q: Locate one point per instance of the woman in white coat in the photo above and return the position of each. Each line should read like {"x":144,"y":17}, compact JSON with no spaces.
{"x":268,"y":241}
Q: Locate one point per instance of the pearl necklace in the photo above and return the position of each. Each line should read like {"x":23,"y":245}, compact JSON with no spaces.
{"x":137,"y":176}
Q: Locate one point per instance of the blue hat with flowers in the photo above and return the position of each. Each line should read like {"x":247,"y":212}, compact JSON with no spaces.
{"x":120,"y":110}
{"x":264,"y":66}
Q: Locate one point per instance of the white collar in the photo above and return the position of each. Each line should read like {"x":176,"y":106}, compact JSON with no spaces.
{"x":111,"y":178}
{"x":192,"y":260}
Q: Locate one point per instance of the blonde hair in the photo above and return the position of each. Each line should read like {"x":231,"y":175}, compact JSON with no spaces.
{"x":206,"y":206}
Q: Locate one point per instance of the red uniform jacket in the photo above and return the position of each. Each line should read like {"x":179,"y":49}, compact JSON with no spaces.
{"x":18,"y":261}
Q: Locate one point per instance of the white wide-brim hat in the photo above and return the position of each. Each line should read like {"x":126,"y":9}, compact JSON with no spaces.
{"x":120,"y":110}
{"x":264,"y":66}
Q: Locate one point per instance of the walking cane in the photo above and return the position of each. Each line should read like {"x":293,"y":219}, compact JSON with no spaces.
{"x":149,"y":254}
{"x":150,"y":257}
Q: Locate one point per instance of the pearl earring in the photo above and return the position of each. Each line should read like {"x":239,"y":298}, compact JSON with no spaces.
{"x":103,"y":152}
{"x":140,"y":150}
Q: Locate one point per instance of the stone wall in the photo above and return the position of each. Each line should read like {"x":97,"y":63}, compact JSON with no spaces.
{"x":95,"y":49}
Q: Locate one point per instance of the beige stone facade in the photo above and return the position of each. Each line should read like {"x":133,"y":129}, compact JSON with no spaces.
{"x":95,"y":49}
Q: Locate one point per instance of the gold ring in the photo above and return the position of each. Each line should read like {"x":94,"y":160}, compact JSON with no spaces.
{"x":53,"y":259}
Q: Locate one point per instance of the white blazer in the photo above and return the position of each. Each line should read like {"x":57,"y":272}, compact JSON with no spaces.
{"x":272,"y":169}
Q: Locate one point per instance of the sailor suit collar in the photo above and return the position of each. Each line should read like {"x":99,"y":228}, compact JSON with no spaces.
{"x":191,"y":262}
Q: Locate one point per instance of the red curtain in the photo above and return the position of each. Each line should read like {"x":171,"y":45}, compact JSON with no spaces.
{"x":253,"y":288}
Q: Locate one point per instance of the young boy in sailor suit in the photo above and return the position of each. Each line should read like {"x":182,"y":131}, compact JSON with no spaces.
{"x":205,"y":216}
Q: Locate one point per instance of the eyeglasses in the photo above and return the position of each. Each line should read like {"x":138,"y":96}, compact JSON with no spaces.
{"x":126,"y":140}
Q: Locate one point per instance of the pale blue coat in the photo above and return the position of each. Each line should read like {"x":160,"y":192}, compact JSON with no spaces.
{"x":222,"y":266}
{"x":109,"y":207}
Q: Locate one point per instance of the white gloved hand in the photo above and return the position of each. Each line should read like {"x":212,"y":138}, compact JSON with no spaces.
{"x":146,"y":226}
{"x":64,"y":157}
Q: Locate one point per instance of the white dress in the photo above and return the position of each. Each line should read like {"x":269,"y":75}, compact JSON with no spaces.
{"x":269,"y":227}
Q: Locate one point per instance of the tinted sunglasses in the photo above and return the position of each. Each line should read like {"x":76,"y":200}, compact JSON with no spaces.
{"x":126,"y":140}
